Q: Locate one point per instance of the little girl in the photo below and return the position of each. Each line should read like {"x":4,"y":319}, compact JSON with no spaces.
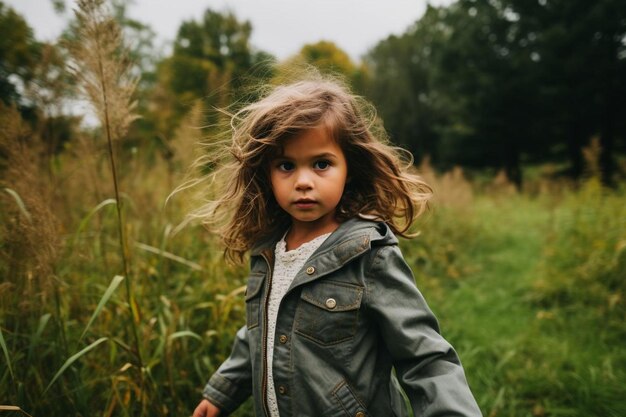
{"x":335,"y":326}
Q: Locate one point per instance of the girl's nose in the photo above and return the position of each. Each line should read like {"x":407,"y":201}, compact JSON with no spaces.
{"x":304,"y":181}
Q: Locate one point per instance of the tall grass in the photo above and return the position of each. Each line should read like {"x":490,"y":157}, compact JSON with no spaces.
{"x":530,"y":291}
{"x":101,"y":68}
{"x":526,"y":288}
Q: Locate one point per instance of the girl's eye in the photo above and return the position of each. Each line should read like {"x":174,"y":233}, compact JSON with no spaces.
{"x":321,"y":165}
{"x":286,"y":166}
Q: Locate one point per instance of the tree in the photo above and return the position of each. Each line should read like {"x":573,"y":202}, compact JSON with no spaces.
{"x":401,"y":72}
{"x":327,"y":58}
{"x":33,"y":78}
{"x":18,"y":55}
{"x":212,"y":61}
{"x":506,"y":82}
{"x":488,"y":68}
{"x":582,"y":56}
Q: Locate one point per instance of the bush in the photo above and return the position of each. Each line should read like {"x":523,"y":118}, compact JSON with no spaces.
{"x":584,"y":256}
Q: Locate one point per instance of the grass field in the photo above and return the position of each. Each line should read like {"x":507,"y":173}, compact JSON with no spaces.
{"x":528,"y":288}
{"x":537,"y":313}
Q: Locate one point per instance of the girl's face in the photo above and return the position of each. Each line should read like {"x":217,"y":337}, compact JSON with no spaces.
{"x":308,"y":180}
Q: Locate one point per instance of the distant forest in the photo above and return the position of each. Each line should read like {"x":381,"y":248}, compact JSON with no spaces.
{"x":484,"y":84}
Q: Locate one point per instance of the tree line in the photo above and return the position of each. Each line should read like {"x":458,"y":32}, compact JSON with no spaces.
{"x":507,"y":82}
{"x":478,"y":83}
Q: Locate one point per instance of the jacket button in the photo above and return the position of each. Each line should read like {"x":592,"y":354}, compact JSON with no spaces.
{"x":283,"y":390}
{"x":331,"y":303}
{"x":310,"y":270}
{"x":359,"y":414}
{"x":283,"y":339}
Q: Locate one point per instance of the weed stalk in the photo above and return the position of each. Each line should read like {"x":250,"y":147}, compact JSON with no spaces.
{"x":118,"y":205}
{"x":104,"y":76}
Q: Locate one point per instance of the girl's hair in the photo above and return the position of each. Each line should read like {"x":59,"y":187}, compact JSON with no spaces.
{"x":381,"y":178}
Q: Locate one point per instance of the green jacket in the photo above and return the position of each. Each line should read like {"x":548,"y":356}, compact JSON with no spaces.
{"x":351,"y":316}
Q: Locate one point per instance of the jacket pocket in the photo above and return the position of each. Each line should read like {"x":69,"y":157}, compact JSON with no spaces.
{"x":328,"y":312}
{"x":253,"y":299}
{"x":344,"y":396}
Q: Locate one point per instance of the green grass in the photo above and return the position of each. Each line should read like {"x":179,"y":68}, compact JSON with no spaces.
{"x":525,"y":356}
{"x":529,"y":290}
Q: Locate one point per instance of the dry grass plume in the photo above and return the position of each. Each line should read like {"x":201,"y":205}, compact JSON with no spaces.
{"x":29,"y":230}
{"x":102,"y":69}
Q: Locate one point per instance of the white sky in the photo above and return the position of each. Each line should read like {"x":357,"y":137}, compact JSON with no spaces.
{"x":280,"y":27}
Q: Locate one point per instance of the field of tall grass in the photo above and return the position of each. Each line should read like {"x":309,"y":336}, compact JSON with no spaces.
{"x":529,"y":287}
{"x":108,"y":309}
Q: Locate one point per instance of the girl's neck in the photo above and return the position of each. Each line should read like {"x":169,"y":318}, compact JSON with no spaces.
{"x":298,"y":235}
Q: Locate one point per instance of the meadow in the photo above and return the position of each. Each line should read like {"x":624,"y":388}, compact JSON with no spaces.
{"x":528,"y":286}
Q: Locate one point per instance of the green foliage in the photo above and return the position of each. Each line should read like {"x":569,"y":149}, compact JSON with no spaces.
{"x":326,"y":56}
{"x":400,"y":84}
{"x":73,"y":359}
{"x":521,"y":288}
{"x":323,"y":57}
{"x":584,"y":262}
{"x":3,"y":345}
{"x":18,"y":53}
{"x":499,"y":83}
{"x":212,"y":61}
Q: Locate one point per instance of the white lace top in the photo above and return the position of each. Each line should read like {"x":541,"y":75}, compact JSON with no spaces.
{"x":286,"y":266}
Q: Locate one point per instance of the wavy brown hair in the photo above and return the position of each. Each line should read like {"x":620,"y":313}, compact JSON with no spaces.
{"x":381,"y":178}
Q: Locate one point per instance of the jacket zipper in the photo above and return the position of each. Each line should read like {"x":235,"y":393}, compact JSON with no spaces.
{"x":264,"y":334}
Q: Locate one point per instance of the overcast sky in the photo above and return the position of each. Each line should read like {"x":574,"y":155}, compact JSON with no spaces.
{"x":280,"y":27}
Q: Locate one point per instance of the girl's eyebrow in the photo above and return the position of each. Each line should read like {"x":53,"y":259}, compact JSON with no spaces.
{"x":328,"y":155}
{"x":325,"y":155}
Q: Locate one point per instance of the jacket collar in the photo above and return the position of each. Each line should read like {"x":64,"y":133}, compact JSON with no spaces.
{"x":354,"y":230}
{"x":351,"y":239}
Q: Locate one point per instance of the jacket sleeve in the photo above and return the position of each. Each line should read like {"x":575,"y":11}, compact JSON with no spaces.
{"x":426,"y":365}
{"x":231,"y":384}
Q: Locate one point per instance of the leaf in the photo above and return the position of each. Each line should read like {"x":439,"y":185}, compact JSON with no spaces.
{"x":88,"y":217}
{"x":43,"y":321}
{"x":168,"y":255}
{"x":73,"y":359}
{"x":115,"y":282}
{"x":184,"y":333}
{"x":6,"y":353}
{"x":19,"y":202}
{"x":13,"y":408}
{"x":134,"y":308}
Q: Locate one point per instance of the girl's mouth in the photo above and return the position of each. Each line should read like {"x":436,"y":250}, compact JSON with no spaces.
{"x":305,"y":203}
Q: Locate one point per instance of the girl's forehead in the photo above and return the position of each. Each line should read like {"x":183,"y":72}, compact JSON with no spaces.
{"x":310,"y":142}
{"x":327,"y":129}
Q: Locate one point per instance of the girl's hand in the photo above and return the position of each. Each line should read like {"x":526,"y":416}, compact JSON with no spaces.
{"x":206,"y":409}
